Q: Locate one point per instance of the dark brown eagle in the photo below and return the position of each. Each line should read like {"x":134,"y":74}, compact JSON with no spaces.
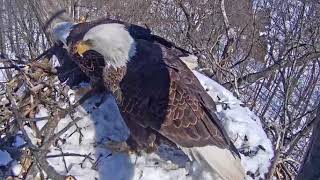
{"x":158,"y":95}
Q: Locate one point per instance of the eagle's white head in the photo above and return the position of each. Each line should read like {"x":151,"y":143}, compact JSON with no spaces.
{"x":112,"y":41}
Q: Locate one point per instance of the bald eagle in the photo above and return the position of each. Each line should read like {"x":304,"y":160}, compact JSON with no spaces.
{"x":159,"y":97}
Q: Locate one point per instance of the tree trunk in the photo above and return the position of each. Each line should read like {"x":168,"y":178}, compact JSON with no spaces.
{"x":310,"y":167}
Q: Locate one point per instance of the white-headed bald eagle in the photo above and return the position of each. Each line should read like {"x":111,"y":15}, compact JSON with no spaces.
{"x":158,"y":95}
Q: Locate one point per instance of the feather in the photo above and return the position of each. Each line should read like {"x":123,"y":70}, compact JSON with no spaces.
{"x":217,"y":161}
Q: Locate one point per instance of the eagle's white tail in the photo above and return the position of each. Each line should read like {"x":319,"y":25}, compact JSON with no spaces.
{"x":217,"y":161}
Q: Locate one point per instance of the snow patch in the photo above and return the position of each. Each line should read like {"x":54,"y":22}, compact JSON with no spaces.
{"x":43,"y":112}
{"x":19,"y":141}
{"x":16,"y":169}
{"x":90,"y":158}
{"x":243,"y":127}
{"x":5,"y":158}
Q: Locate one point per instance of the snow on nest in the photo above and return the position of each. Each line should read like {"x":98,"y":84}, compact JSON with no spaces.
{"x":101,"y":121}
{"x":5,"y":158}
{"x":243,"y":127}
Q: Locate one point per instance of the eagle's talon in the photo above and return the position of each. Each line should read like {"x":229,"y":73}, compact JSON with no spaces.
{"x":151,"y":148}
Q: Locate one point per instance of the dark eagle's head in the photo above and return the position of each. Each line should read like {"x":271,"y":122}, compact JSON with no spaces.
{"x":112,"y":41}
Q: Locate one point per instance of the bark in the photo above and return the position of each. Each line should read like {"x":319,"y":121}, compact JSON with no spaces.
{"x":310,"y":166}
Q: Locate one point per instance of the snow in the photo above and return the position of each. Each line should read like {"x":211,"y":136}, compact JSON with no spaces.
{"x":16,"y":168}
{"x":43,"y":112}
{"x":31,"y":134}
{"x":4,"y":101}
{"x":99,"y":121}
{"x":2,"y":76}
{"x":99,"y":124}
{"x":19,"y":141}
{"x":242,"y":126}
{"x":5,"y":158}
{"x":72,"y":97}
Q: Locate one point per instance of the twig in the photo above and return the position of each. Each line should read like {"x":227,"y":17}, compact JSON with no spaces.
{"x":35,"y":119}
{"x":63,"y":113}
{"x":12,"y":67}
{"x":44,"y":165}
{"x":96,"y":163}
{"x":58,"y":134}
{"x":46,"y":52}
{"x":64,"y":160}
{"x":78,"y":129}
{"x":18,"y":119}
{"x":70,"y":154}
{"x":85,"y":158}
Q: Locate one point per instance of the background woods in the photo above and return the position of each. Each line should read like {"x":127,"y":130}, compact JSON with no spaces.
{"x":266,"y":52}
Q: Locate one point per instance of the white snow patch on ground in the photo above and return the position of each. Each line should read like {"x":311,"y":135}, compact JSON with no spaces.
{"x":16,"y":168}
{"x":5,"y":158}
{"x":243,"y":127}
{"x":19,"y":141}
{"x":2,"y":76}
{"x":98,"y":124}
{"x":43,"y":112}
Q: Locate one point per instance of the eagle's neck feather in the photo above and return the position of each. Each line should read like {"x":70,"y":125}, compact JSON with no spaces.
{"x":112,"y":41}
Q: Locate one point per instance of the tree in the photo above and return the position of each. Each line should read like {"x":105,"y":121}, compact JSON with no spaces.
{"x":309,"y":168}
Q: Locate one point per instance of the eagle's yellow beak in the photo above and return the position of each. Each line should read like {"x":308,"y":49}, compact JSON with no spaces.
{"x":82,"y":47}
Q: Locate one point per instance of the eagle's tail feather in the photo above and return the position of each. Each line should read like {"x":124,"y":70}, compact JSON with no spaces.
{"x":218,"y":161}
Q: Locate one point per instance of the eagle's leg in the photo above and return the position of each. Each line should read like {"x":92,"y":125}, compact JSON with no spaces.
{"x":141,"y":138}
{"x":145,"y":143}
{"x":97,"y":86}
{"x":131,"y":146}
{"x":152,"y":143}
{"x":134,"y":144}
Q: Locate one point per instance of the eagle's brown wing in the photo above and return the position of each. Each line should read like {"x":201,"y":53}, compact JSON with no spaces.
{"x":159,"y":91}
{"x":191,"y":119}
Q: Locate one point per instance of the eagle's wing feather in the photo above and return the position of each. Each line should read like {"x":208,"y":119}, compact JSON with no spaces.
{"x":171,"y":98}
{"x":188,"y":115}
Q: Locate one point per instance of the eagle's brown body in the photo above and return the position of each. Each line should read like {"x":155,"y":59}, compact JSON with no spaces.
{"x":164,"y":95}
{"x":156,"y":92}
